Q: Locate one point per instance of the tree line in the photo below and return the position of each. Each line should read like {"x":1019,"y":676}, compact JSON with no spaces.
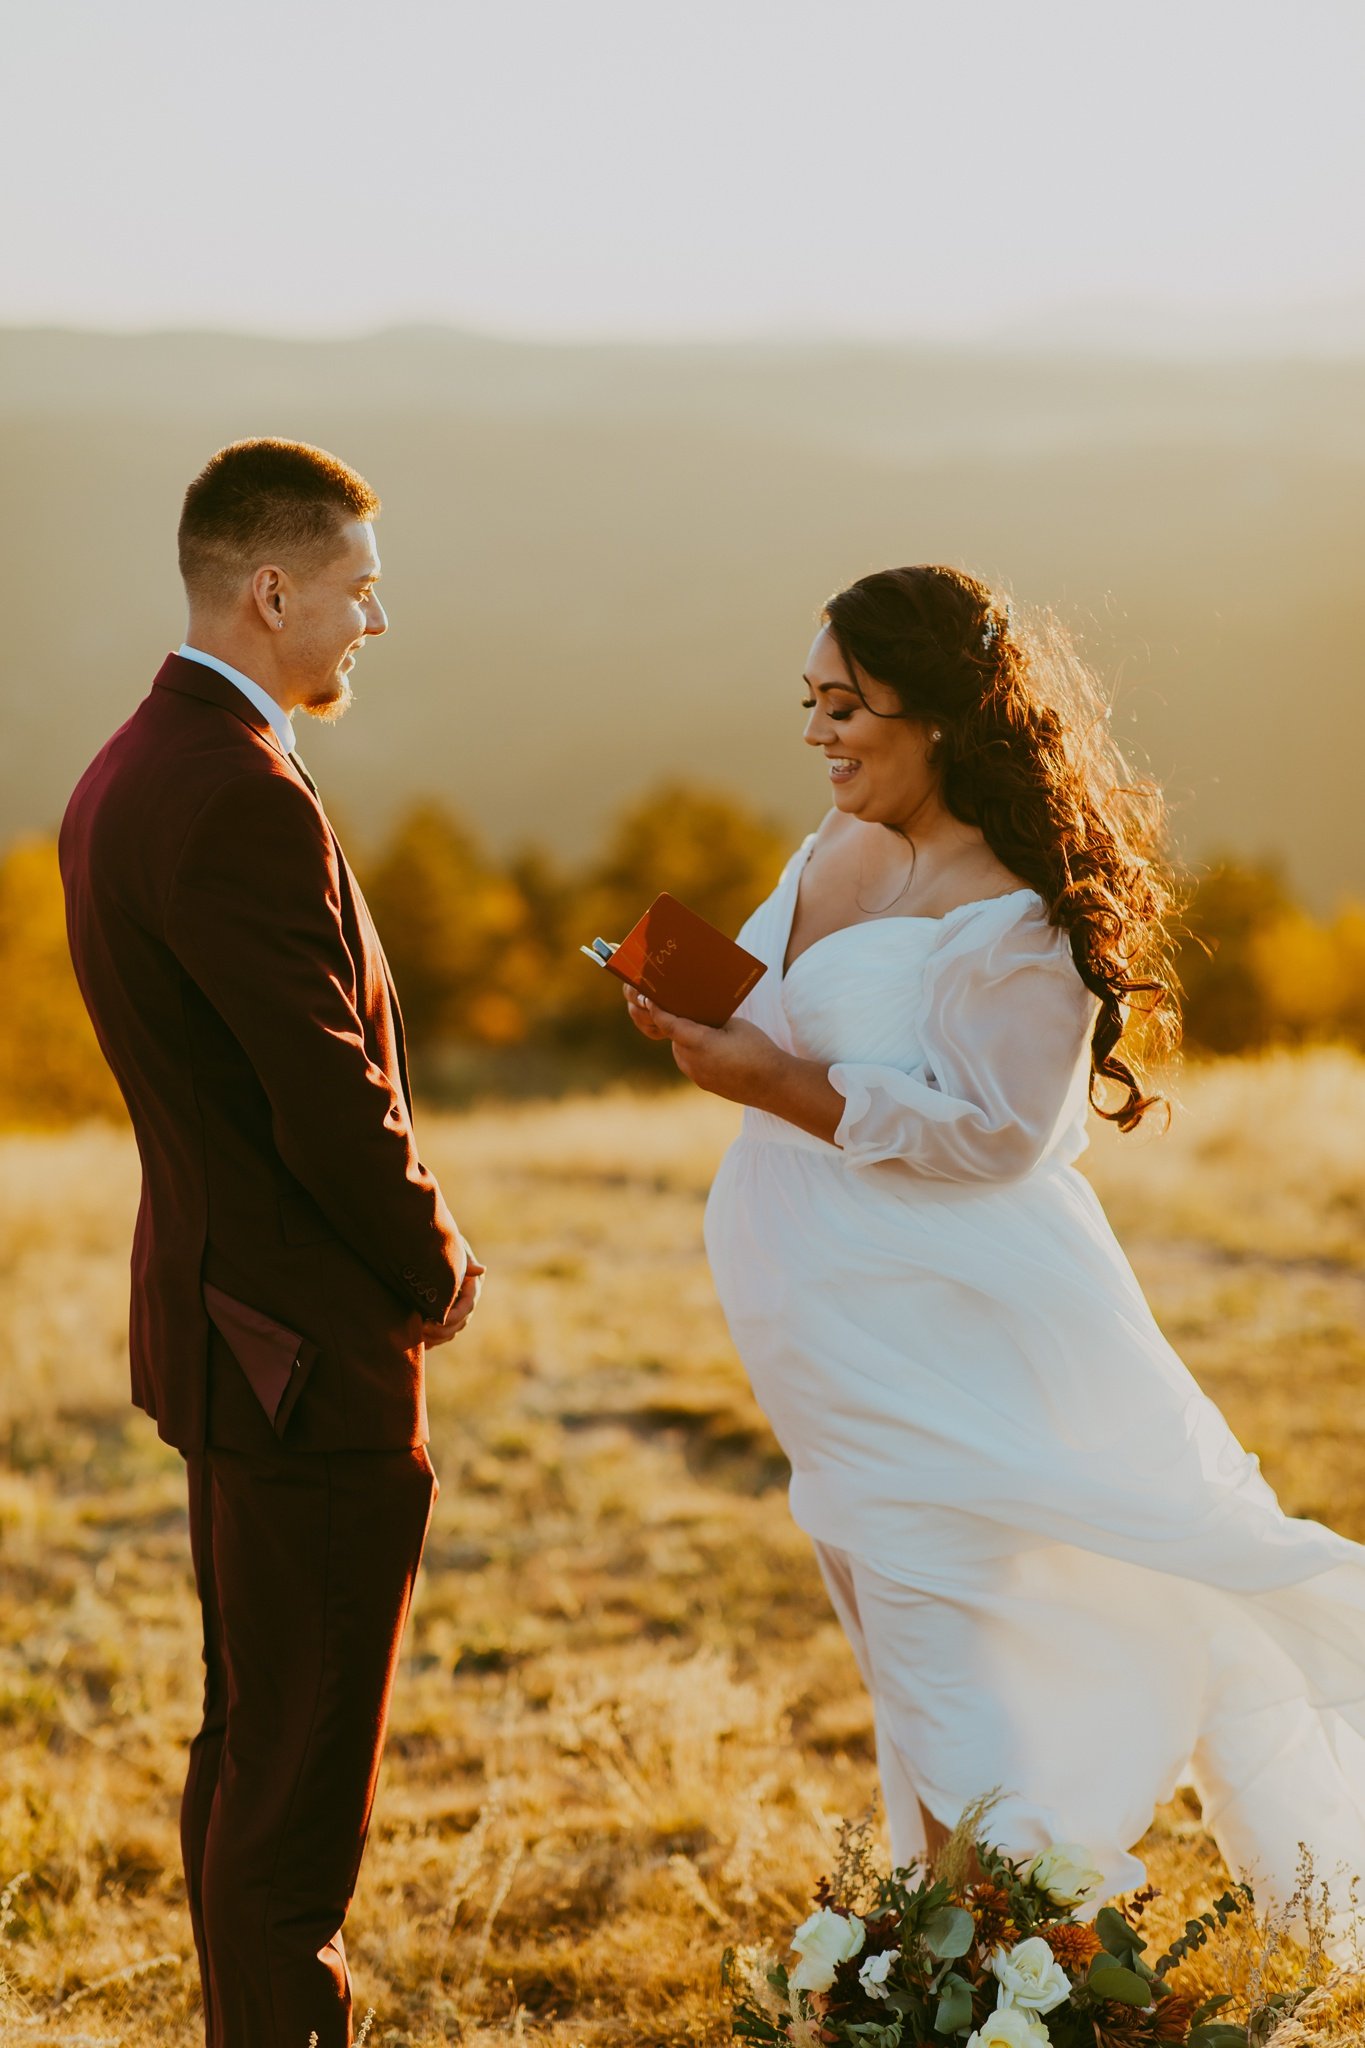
{"x":497,"y":998}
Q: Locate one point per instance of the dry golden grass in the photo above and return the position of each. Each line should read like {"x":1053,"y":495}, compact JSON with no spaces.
{"x":626,"y":1726}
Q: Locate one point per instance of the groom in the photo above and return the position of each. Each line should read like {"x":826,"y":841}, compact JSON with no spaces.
{"x":293,"y":1257}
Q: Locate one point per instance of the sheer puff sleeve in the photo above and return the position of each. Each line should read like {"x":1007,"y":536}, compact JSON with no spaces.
{"x":1002,"y":1080}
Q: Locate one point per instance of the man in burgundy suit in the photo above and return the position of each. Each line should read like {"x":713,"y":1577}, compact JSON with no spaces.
{"x":293,"y":1258}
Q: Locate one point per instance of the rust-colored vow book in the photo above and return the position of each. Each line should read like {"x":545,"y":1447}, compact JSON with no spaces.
{"x":681,"y":962}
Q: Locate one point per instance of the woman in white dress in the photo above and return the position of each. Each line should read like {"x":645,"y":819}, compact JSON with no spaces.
{"x":1059,"y":1571}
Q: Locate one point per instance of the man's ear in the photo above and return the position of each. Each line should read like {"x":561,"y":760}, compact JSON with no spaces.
{"x":270,"y":590}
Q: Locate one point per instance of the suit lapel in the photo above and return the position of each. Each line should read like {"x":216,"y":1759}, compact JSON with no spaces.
{"x":372,"y":947}
{"x":196,"y":679}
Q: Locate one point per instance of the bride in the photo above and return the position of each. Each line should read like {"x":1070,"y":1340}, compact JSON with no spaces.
{"x":1058,"y":1570}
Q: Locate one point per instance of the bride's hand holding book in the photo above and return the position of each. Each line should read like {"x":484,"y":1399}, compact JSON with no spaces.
{"x":734,"y":1059}
{"x":684,"y":981}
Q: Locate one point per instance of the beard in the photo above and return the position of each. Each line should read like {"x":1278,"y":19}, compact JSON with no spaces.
{"x":328,"y":705}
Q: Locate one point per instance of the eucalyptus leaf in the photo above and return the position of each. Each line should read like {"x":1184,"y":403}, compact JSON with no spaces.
{"x":949,"y":1932}
{"x":1118,"y":1937}
{"x":1218,"y":2035}
{"x":1120,"y":1983}
{"x":954,"y":2014}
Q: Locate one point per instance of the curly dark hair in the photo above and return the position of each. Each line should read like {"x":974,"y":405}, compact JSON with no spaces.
{"x":1027,"y":755}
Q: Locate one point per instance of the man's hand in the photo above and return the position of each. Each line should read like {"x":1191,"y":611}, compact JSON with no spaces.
{"x":735,"y":1060}
{"x":463,"y":1306}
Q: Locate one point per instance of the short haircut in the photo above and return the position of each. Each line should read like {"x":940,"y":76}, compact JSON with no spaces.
{"x":265,"y":501}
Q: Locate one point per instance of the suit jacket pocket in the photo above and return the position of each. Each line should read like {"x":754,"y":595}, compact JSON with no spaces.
{"x":275,"y":1359}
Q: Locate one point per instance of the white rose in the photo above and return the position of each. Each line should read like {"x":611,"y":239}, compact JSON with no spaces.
{"x":823,"y":1942}
{"x":1030,"y":1976}
{"x":875,"y":1971}
{"x":1065,"y":1874}
{"x":1007,"y":2027}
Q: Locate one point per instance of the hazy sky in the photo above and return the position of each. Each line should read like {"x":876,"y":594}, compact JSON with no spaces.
{"x":592,"y":167}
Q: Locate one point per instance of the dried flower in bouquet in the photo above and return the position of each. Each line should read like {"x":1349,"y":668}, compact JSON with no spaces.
{"x":977,"y":1950}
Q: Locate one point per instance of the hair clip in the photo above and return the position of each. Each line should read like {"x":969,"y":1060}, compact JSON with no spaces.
{"x":997,"y":623}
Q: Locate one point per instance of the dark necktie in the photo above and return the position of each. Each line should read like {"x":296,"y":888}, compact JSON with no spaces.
{"x":297,"y":758}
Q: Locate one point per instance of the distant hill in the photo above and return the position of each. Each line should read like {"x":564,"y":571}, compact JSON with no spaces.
{"x":603,"y":563}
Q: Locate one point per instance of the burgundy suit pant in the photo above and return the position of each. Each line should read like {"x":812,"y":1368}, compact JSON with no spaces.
{"x":305,"y":1564}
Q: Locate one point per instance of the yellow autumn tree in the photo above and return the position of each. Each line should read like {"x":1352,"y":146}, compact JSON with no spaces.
{"x":1350,"y":936}
{"x":51,"y":1068}
{"x":1225,"y":1005}
{"x":1258,"y":969}
{"x":1303,"y":974}
{"x":707,"y":848}
{"x":457,"y":931}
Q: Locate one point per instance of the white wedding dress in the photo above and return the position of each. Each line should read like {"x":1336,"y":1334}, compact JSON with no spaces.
{"x":1058,"y":1569}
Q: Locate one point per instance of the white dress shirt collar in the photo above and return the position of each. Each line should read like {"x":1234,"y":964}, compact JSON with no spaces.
{"x":279,"y":718}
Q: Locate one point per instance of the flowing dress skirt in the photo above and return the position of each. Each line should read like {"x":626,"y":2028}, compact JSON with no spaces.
{"x":1060,"y":1573}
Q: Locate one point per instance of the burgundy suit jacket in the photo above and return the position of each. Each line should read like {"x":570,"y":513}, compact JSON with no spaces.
{"x":241,"y":996}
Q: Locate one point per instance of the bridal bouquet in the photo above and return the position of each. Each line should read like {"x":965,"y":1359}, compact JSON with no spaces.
{"x":994,"y":1959}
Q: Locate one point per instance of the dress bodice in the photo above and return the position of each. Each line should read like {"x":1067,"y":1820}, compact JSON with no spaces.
{"x":850,"y":996}
{"x":960,"y":1043}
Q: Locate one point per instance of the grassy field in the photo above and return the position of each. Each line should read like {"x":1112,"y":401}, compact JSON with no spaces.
{"x":626,"y":1727}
